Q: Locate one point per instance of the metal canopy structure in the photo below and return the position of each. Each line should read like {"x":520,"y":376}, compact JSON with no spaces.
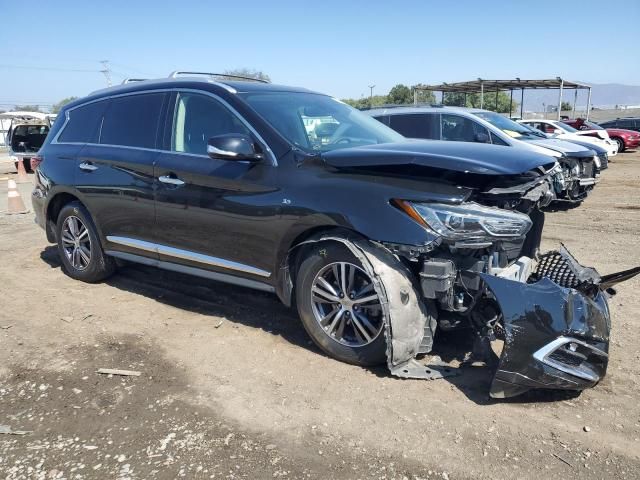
{"x":483,"y":86}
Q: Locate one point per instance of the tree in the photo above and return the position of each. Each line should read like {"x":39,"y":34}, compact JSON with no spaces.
{"x":248,"y":72}
{"x":566,"y":107}
{"x":366,"y":102}
{"x":423,"y":96}
{"x":58,"y":106}
{"x":27,"y":108}
{"x":400,"y":94}
{"x":489,"y":103}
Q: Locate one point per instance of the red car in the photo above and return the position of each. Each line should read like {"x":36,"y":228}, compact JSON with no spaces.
{"x":626,"y":139}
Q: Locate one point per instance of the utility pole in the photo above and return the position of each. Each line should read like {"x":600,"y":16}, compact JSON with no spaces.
{"x":106,"y":71}
{"x":371,"y":87}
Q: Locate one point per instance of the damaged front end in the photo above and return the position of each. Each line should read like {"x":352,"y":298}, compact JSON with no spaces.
{"x":555,"y":326}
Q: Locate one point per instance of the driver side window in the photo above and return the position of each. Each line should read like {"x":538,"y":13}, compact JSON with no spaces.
{"x":199,"y":117}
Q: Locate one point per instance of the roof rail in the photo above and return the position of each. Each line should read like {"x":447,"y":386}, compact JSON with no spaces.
{"x":178,"y":73}
{"x":403,"y":105}
{"x":131,"y":80}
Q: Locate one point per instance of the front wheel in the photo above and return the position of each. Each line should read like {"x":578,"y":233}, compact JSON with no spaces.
{"x":620,"y":143}
{"x":339,"y":307}
{"x":79,"y":247}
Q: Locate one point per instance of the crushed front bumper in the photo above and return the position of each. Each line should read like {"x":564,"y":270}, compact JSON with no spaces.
{"x":555,"y":337}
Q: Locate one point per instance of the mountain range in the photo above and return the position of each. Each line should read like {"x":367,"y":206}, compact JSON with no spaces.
{"x":603,"y":95}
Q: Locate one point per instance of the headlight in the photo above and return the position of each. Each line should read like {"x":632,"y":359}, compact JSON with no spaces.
{"x":467,"y":221}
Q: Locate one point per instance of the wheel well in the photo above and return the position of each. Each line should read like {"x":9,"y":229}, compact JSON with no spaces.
{"x":296,"y":253}
{"x":53,"y":210}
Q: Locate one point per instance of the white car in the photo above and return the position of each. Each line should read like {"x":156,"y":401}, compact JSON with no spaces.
{"x":562,"y":131}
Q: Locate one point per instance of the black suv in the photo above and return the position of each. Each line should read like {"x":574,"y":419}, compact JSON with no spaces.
{"x":628,"y":123}
{"x":377,"y":240}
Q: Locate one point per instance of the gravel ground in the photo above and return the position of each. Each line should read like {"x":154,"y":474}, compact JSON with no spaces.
{"x":231,"y":386}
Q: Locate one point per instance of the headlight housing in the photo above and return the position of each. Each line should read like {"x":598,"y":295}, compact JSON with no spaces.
{"x":468,"y":221}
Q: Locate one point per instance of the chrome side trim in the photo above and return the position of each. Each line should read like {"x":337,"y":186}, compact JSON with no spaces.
{"x":174,"y":267}
{"x":542,"y":354}
{"x":187,"y":255}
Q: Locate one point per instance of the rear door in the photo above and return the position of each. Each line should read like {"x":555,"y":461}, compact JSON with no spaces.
{"x":416,"y":125}
{"x":115,"y":174}
{"x":213,"y":214}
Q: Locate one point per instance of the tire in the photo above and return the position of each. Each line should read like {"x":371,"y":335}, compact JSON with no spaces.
{"x":347,"y":343}
{"x":620,"y":143}
{"x":83,"y":259}
{"x":27,"y":165}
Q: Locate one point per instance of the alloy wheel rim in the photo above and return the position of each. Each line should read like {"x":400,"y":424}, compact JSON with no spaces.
{"x":346,"y":305}
{"x":76,"y":242}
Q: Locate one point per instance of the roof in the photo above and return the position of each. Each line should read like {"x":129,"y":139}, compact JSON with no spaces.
{"x":475,"y":86}
{"x":24,"y":114}
{"x":231,"y":86}
{"x":409,"y":109}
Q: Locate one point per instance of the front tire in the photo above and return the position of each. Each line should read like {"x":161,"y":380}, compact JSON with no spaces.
{"x":338,"y":306}
{"x":79,"y":247}
{"x":620,"y":143}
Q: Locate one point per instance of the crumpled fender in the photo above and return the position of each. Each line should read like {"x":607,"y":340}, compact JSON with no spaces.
{"x":406,"y":320}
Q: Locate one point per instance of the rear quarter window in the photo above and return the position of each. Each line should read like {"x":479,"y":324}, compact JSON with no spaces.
{"x":132,"y":121}
{"x":83,"y":124}
{"x":416,"y":125}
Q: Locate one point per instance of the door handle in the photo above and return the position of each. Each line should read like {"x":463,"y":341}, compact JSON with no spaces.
{"x":87,"y":166}
{"x":171,"y":180}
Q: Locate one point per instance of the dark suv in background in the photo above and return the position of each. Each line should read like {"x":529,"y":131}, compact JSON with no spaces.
{"x":377,"y":240}
{"x":628,"y":123}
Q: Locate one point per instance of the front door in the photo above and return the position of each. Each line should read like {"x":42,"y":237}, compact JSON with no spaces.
{"x":214,"y":214}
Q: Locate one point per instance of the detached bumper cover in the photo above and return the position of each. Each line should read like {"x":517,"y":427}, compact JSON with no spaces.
{"x":555,"y":337}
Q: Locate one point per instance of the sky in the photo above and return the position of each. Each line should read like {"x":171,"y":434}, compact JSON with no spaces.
{"x":52,"y":50}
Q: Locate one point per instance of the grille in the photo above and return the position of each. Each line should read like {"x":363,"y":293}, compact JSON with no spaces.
{"x":604,"y":160}
{"x":573,"y":359}
{"x":556,"y":268}
{"x":587,"y":168}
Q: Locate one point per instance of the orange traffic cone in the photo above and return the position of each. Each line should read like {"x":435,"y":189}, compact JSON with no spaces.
{"x":15,"y":203}
{"x":22,"y":173}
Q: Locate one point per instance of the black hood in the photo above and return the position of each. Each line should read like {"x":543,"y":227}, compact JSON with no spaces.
{"x":474,"y":158}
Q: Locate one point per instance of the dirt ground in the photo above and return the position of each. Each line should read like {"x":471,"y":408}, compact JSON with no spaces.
{"x":231,"y":386}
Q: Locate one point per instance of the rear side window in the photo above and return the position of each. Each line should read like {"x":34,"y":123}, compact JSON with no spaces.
{"x":132,"y":121}
{"x":626,"y":124}
{"x":383,"y":119}
{"x":83,"y":124}
{"x":416,"y":125}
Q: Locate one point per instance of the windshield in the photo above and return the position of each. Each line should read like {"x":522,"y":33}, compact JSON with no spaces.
{"x":592,"y":126}
{"x":565,"y":127}
{"x":511,"y":128}
{"x":318,"y":123}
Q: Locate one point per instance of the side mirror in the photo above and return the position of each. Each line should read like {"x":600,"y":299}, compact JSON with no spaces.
{"x":233,"y":146}
{"x":557,"y":131}
{"x":481,"y":138}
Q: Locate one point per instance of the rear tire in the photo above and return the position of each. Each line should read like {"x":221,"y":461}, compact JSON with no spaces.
{"x":79,"y":247}
{"x":354,"y":333}
{"x":620,"y":143}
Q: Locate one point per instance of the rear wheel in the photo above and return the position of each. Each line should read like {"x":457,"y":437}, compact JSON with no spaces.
{"x":339,"y":306}
{"x":620,"y":143}
{"x":79,"y":247}
{"x":27,"y":164}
